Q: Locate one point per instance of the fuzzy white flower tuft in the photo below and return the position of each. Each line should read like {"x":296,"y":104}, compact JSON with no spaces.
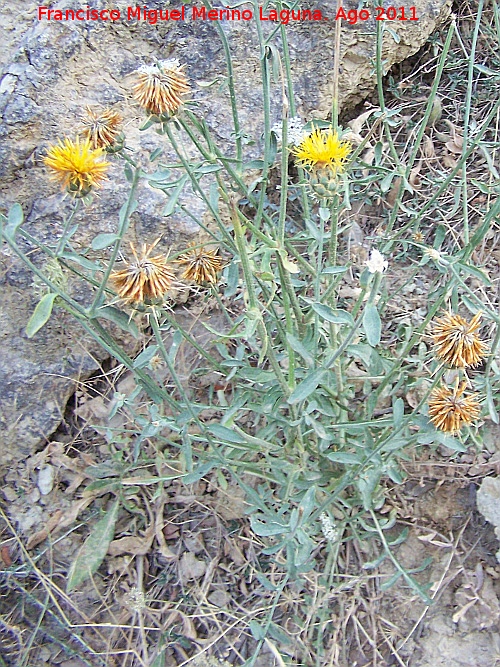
{"x":295,"y":133}
{"x":331,"y":533}
{"x":376,"y":263}
{"x":161,"y":65}
{"x":434,"y":254}
{"x":171,"y":63}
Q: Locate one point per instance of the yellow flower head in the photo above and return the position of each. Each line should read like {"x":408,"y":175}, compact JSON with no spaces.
{"x":159,"y":88}
{"x":456,"y":342}
{"x":76,"y":165}
{"x":143,"y":279}
{"x":102,"y":128}
{"x":323,"y":148}
{"x":449,"y":409}
{"x":202,"y":265}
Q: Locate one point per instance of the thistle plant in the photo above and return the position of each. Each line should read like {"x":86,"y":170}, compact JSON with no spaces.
{"x":313,"y":412}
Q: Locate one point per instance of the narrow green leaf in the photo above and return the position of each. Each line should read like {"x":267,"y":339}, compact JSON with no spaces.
{"x":390,"y":582}
{"x":398,"y":411}
{"x":307,"y":386}
{"x":490,"y":403}
{"x":232,"y":279}
{"x":199,"y":472}
{"x":265,"y":582}
{"x":334,"y":270}
{"x":257,"y":630}
{"x":449,"y":441}
{"x":254,"y":164}
{"x":14,"y":220}
{"x":226,"y":434}
{"x":266,"y":529}
{"x":279,"y":635}
{"x":372,"y":324}
{"x":92,"y":553}
{"x":129,"y":174}
{"x":297,"y":346}
{"x":307,"y":504}
{"x":159,"y":661}
{"x":208,"y":168}
{"x":337,"y":316}
{"x":344,"y":457}
{"x":103,"y":241}
{"x":174,"y":196}
{"x":145,"y":356}
{"x":41,"y":314}
{"x":120,"y":318}
{"x":213,"y":197}
{"x":82,"y":261}
{"x":102,"y":486}
{"x":385,"y":183}
{"x":474,"y":271}
{"x":156,"y":153}
{"x":124,"y":209}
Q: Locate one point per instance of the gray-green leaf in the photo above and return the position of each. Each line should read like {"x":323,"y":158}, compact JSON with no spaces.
{"x":103,"y":241}
{"x":337,"y":316}
{"x":307,"y":386}
{"x":120,"y":318}
{"x":41,"y":314}
{"x":92,"y":553}
{"x":372,"y":324}
{"x":14,"y":220}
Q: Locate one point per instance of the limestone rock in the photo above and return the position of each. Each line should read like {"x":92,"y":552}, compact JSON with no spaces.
{"x":488,"y":503}
{"x":52,"y":69}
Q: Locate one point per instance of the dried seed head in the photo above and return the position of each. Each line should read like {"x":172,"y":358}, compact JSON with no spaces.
{"x":159,"y":88}
{"x":144,"y":279}
{"x":101,"y":129}
{"x":202,"y":265}
{"x":456,"y":342}
{"x":449,"y":409}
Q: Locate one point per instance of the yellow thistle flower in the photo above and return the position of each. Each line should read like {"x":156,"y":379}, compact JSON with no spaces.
{"x":145,"y":278}
{"x":449,"y":409}
{"x":456,"y":342}
{"x":159,"y":88}
{"x":418,"y":237}
{"x":202,"y":266}
{"x":102,"y":128}
{"x":321,"y":149}
{"x":75,"y":165}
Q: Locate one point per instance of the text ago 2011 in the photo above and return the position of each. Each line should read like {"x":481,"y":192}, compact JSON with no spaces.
{"x":352,"y":16}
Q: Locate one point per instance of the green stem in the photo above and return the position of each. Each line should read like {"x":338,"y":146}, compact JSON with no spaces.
{"x":334,"y":223}
{"x":122,"y":230}
{"x":286,"y":283}
{"x":97,"y":331}
{"x":69,"y":220}
{"x":465,"y":130}
{"x":71,"y":305}
{"x":266,"y":105}
{"x":336,"y":74}
{"x":253,"y":302}
{"x":201,"y":351}
{"x":410,"y":580}
{"x":230,"y":83}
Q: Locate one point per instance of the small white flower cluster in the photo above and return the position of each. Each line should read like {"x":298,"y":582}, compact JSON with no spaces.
{"x":161,"y":65}
{"x":295,"y":133}
{"x":135,"y":599}
{"x":331,"y":533}
{"x":376,"y":263}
